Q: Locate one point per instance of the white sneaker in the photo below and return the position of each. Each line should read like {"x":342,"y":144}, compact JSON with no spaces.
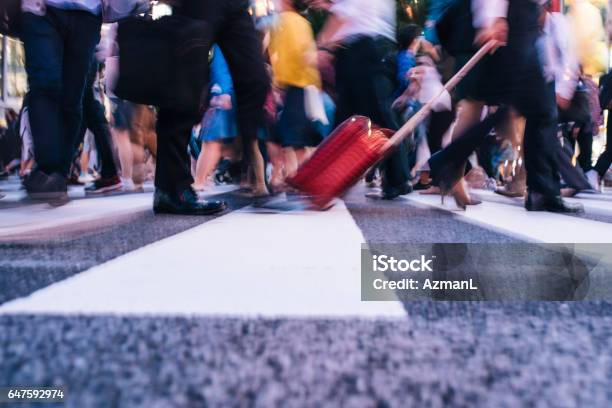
{"x":130,"y":187}
{"x":86,"y":178}
{"x":594,"y":180}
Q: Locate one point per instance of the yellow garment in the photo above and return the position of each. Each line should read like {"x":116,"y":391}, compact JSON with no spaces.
{"x":590,"y":37}
{"x":293,"y":52}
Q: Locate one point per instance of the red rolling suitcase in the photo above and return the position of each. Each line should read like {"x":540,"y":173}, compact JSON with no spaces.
{"x":357,"y":145}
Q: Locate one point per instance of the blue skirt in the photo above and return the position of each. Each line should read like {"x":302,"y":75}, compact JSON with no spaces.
{"x":219,"y":125}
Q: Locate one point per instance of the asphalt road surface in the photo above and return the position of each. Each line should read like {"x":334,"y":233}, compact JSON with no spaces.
{"x":263,"y":308}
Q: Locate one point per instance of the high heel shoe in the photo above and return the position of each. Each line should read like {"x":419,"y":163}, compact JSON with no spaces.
{"x":447,"y":176}
{"x":460,"y":195}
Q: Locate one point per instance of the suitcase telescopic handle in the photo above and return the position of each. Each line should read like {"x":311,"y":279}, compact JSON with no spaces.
{"x":420,"y":116}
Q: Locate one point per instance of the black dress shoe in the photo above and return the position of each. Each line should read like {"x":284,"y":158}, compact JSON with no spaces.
{"x":555,"y":204}
{"x":391,"y":193}
{"x":420,"y":186}
{"x":41,"y":186}
{"x":185,"y":202}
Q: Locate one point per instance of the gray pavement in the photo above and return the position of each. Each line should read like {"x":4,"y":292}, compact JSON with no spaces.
{"x":440,"y":354}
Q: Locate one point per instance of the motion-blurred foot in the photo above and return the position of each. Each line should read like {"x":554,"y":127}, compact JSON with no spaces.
{"x":185,"y":202}
{"x":75,"y":181}
{"x":420,"y":186}
{"x":391,"y":193}
{"x":511,"y":190}
{"x":130,"y":187}
{"x":41,"y":186}
{"x":594,"y":180}
{"x":540,"y":202}
{"x":104,"y":185}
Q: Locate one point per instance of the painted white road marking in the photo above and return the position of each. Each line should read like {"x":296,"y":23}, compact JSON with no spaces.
{"x":243,"y":264}
{"x":534,"y":226}
{"x":31,"y":218}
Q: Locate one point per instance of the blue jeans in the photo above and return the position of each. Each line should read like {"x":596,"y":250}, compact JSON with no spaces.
{"x":59,"y":48}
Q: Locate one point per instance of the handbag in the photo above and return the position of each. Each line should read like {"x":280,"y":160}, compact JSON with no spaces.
{"x":116,"y":10}
{"x":313,"y":105}
{"x":455,"y":29}
{"x":10,"y":17}
{"x":164,"y":63}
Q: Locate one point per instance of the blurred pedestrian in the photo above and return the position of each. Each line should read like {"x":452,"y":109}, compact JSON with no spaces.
{"x":513,"y":75}
{"x":233,"y":30}
{"x":219,"y":123}
{"x":360,"y":36}
{"x":59,"y":37}
{"x":95,"y":121}
{"x":293,"y":55}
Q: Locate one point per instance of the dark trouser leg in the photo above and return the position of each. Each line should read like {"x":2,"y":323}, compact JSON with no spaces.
{"x":79,"y":47}
{"x":455,"y":155}
{"x":572,"y":176}
{"x":605,"y":160}
{"x":535,"y":99}
{"x":364,"y":88}
{"x":438,"y":126}
{"x":541,"y":156}
{"x":585,"y":142}
{"x":242,"y":48}
{"x":95,"y":120}
{"x":173,"y":170}
{"x":44,"y":51}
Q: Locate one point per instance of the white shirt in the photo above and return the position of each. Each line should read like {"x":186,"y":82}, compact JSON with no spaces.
{"x":485,"y":12}
{"x":365,"y":17}
{"x":560,"y":59}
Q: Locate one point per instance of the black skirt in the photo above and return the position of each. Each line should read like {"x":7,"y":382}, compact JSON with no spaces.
{"x":294,"y":127}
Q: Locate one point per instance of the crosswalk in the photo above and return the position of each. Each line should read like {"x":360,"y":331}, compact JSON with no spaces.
{"x":295,"y":263}
{"x":508,"y":216}
{"x":259,"y":306}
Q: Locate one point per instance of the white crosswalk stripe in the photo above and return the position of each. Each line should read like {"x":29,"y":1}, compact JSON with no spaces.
{"x":509,"y":216}
{"x":31,"y":218}
{"x":257,"y":258}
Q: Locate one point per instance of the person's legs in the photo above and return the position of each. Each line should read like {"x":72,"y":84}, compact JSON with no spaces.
{"x":290,"y":161}
{"x":536,"y":101}
{"x":259,"y":171}
{"x":468,"y":114}
{"x":207,"y":163}
{"x":364,"y":88}
{"x":80,"y":42}
{"x":173,"y":180}
{"x":173,"y":132}
{"x":605,"y":160}
{"x":448,"y":165}
{"x":44,"y":50}
{"x":585,"y":143}
{"x":278,"y":168}
{"x":85,"y":161}
{"x":241,"y":46}
{"x":94,"y":119}
{"x":124,"y":149}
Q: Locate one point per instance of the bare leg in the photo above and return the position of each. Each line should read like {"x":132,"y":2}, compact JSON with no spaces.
{"x":276,"y":158}
{"x":139,"y":170}
{"x":259,"y":171}
{"x":303,"y":155}
{"x":85,"y":162}
{"x":126,"y":156}
{"x":468,"y":114}
{"x":207,"y":162}
{"x":291,"y":161}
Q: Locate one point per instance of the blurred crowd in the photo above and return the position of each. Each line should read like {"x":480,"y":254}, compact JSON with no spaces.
{"x":239,"y":92}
